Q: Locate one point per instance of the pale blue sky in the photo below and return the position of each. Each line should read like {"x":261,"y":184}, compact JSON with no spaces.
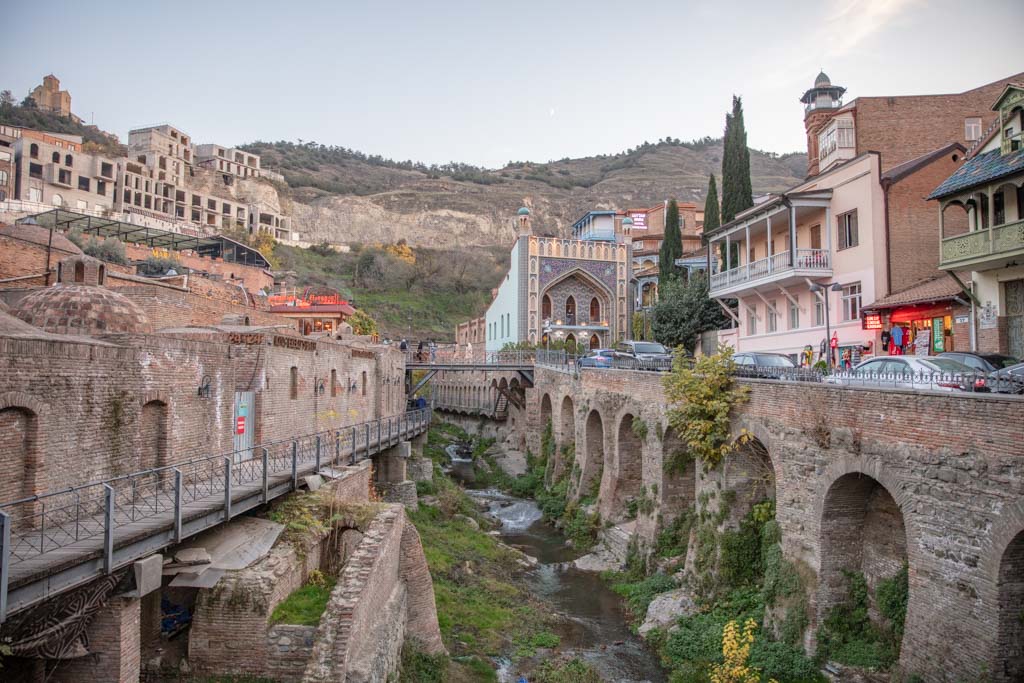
{"x":487,"y":82}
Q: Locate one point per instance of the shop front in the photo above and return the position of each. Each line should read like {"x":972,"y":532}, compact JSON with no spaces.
{"x":925,"y":320}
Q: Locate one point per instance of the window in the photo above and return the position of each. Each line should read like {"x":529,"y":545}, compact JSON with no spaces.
{"x":3,"y":177}
{"x":35,"y":194}
{"x":819,"y":312}
{"x":35,"y":171}
{"x":57,"y":200}
{"x":334,"y":383}
{"x":638,"y":245}
{"x":972,"y":128}
{"x":848,"y":229}
{"x":815,"y":237}
{"x":81,"y":204}
{"x":5,"y":156}
{"x":794,"y":316}
{"x":83,"y":183}
{"x":33,"y":151}
{"x":56,"y":157}
{"x":751,"y":320}
{"x":364,"y":382}
{"x":101,"y":188}
{"x":771,"y":310}
{"x":851,"y":301}
{"x":68,"y":161}
{"x":294,"y":383}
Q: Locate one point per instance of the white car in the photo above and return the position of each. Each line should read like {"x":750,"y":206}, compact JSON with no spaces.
{"x":911,"y":372}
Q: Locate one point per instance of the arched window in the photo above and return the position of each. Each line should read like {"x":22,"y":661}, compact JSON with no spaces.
{"x":33,"y":151}
{"x":68,"y":160}
{"x":334,"y":382}
{"x":570,"y":311}
{"x":364,"y":382}
{"x":57,"y":200}
{"x":570,"y":342}
{"x":545,"y":310}
{"x":79,"y":271}
{"x":595,"y":341}
{"x":56,"y":157}
{"x":294,"y":382}
{"x":102,"y":275}
{"x":595,"y":310}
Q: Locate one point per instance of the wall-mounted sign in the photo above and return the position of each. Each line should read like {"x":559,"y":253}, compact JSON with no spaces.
{"x":871,"y":322}
{"x":639,"y":220}
{"x":987,"y":317}
{"x":938,"y":337}
{"x":240,"y":424}
{"x":962,"y":319}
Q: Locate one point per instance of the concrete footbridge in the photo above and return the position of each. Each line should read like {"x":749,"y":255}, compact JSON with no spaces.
{"x":422,"y":366}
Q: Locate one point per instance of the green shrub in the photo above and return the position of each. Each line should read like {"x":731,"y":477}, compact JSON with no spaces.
{"x":305,"y":605}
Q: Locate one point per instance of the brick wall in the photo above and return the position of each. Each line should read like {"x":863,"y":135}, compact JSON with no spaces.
{"x":850,"y":464}
{"x":903,"y":128}
{"x":914,"y":223}
{"x":114,"y":645}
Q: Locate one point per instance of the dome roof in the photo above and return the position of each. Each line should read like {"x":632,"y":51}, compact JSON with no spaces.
{"x":627,"y":221}
{"x":822,"y":81}
{"x":523,"y":211}
{"x":82,"y":310}
{"x":38,"y":235}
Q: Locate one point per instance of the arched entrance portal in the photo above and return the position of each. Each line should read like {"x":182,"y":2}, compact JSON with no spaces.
{"x":862,"y":531}
{"x":595,"y":341}
{"x":1009,"y":664}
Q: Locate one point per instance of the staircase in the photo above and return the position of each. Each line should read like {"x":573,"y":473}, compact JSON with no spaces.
{"x":501,"y":407}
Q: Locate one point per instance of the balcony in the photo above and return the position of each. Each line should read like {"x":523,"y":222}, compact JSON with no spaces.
{"x":777,"y":269}
{"x":984,"y":249}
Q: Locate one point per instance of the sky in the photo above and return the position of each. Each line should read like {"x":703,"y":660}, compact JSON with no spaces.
{"x":486,"y":82}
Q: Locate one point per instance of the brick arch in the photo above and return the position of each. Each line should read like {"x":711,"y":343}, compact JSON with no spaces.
{"x":22,"y":465}
{"x":678,"y":488}
{"x":593,"y":455}
{"x":624,"y":478}
{"x":19,"y":399}
{"x":157,"y":395}
{"x":999,"y":563}
{"x":753,"y":471}
{"x":865,"y":523}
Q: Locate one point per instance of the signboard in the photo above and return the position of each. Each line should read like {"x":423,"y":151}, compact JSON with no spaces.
{"x":240,"y":424}
{"x":922,"y":342}
{"x":962,"y":319}
{"x":938,"y":337}
{"x":639,"y":220}
{"x":871,"y":322}
{"x":987,"y":318}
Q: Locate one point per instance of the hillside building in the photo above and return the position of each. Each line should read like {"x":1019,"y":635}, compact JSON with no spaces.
{"x":49,"y":97}
{"x":232,"y":161}
{"x":54,"y":171}
{"x":981,"y":228}
{"x":7,"y":165}
{"x":574,"y":290}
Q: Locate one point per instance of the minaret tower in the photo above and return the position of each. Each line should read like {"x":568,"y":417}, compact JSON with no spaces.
{"x":820,"y":103}
{"x":523,"y":218}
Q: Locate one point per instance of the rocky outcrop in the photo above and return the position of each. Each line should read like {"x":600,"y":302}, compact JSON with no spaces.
{"x":666,"y":609}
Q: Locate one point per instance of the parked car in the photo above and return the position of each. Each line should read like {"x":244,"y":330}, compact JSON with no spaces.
{"x":912,"y":372}
{"x":597,"y":358}
{"x":991,"y":364}
{"x":641,"y":355}
{"x":764,"y":365}
{"x":1008,"y":380}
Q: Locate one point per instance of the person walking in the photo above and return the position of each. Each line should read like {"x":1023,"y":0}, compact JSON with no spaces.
{"x":404,"y":346}
{"x":419,"y":352}
{"x":433,"y":352}
{"x":469,"y":351}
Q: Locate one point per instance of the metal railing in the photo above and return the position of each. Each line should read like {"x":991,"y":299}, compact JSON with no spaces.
{"x":573,"y":363}
{"x":497,"y":358}
{"x":90,"y":518}
{"x":806,"y":259}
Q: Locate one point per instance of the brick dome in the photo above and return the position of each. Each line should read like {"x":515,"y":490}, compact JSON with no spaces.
{"x":82,"y":310}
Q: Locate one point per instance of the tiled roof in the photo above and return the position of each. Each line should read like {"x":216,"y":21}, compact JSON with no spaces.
{"x":981,"y":169}
{"x":938,"y":288}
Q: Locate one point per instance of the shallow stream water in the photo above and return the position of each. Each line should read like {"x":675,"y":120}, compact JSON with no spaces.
{"x":594,"y":626}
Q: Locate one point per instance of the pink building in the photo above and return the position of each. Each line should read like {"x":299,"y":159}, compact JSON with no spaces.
{"x":829,"y":232}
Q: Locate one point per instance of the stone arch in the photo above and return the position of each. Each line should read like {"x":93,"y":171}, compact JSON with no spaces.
{"x":153,"y":447}
{"x":1008,"y":664}
{"x":545,"y":311}
{"x":546,"y":413}
{"x":955,"y":218}
{"x":570,"y":342}
{"x":749,"y":476}
{"x":625,"y":478}
{"x":862,"y":529}
{"x":592,"y":462}
{"x":678,"y":477}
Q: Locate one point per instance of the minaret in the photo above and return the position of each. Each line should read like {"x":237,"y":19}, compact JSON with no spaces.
{"x":820,"y":103}
{"x":523,"y":216}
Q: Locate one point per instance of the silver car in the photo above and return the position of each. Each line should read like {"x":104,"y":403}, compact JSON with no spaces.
{"x":911,"y":372}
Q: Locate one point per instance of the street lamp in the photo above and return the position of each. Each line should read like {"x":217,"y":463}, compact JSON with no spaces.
{"x":836,"y":287}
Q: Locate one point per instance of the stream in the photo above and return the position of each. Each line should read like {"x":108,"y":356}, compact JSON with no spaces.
{"x":594,"y":626}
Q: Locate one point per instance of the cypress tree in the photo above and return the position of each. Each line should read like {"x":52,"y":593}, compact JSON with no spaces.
{"x":737,"y":194}
{"x":712,"y":219}
{"x":671,"y":244}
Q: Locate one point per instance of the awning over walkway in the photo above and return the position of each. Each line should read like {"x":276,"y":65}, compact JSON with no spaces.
{"x":215,"y":246}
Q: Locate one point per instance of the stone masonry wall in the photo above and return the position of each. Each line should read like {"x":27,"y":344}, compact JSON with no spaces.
{"x":951,"y":464}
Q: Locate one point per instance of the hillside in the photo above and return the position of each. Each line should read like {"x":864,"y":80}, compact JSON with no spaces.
{"x":93,"y":139}
{"x":345,"y":196}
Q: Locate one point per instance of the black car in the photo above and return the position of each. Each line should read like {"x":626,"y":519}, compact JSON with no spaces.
{"x":995,"y":365}
{"x":641,"y":355}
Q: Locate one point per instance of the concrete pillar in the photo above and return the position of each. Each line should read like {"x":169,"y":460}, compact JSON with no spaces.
{"x":392,"y":477}
{"x":418,"y":443}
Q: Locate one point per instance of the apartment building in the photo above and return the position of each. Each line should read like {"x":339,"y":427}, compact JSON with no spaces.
{"x":981,"y":228}
{"x":163,"y":148}
{"x":54,"y":171}
{"x":7,"y":166}
{"x":228,"y":160}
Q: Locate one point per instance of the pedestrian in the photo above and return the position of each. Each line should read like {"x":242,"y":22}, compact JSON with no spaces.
{"x":433,"y":352}
{"x":469,"y":351}
{"x":403,"y":347}
{"x":419,"y":352}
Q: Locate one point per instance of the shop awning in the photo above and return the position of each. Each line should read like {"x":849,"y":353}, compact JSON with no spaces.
{"x":933,"y":290}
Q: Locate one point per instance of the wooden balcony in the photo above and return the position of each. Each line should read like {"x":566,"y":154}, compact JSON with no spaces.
{"x":983,"y":249}
{"x":776,"y":269}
